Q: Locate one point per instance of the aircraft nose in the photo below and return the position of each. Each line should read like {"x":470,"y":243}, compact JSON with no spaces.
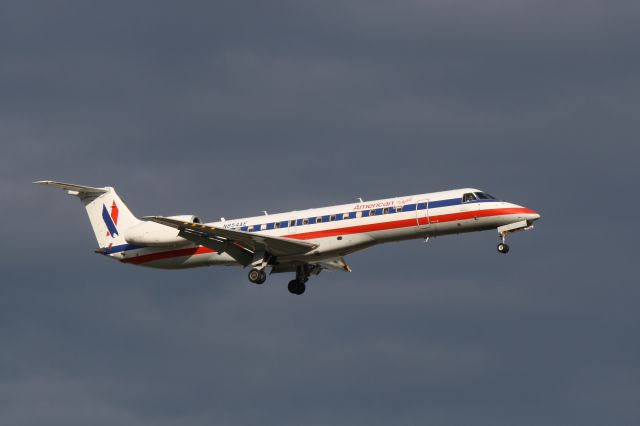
{"x":527,"y":213}
{"x":533,"y":215}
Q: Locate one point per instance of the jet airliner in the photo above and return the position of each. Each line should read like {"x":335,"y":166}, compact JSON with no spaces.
{"x":303,"y":242}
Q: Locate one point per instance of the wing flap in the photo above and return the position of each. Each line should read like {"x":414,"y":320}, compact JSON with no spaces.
{"x":334,"y":264}
{"x":330,"y":264}
{"x":239,"y":253}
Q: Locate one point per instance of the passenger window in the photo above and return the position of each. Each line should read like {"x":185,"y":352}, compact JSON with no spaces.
{"x":345,"y":216}
{"x":358,"y":214}
{"x":386,"y":210}
{"x":277,"y":225}
{"x":467,"y":198}
{"x":332,"y":217}
{"x":372,"y":212}
{"x":292,"y":223}
{"x":318,"y":219}
{"x":305,"y":221}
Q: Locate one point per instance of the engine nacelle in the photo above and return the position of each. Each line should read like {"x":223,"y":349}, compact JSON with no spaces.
{"x":149,"y":233}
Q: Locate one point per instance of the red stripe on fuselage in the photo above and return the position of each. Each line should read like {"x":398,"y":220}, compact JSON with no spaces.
{"x":191,"y":251}
{"x":452,"y":217}
{"x":405,"y":223}
{"x":358,"y":229}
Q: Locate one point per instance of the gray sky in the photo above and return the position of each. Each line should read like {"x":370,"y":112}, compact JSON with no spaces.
{"x":230,"y":108}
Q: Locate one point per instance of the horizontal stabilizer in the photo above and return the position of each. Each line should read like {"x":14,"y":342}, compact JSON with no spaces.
{"x":80,"y":189}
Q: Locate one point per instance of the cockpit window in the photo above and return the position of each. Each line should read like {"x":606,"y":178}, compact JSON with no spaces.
{"x":484,"y":196}
{"x":467,"y":198}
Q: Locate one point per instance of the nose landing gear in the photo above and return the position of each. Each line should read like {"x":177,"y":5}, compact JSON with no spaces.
{"x":503,"y":248}
{"x":504,"y":230}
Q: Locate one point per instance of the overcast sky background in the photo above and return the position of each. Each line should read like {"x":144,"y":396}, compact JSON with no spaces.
{"x":230,"y":108}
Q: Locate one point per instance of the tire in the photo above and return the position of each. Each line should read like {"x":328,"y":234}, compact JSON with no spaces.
{"x":503,"y":248}
{"x":263,"y":277}
{"x":254,"y":275}
{"x":296,"y":287}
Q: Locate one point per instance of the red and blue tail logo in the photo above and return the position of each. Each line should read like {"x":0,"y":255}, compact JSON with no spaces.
{"x":111,"y":219}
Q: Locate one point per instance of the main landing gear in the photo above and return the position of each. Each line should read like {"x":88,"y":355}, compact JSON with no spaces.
{"x":257,"y":276}
{"x":298,"y":286}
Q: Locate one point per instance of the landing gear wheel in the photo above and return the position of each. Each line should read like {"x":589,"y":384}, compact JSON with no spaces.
{"x":255,"y":275}
{"x":263,"y":277}
{"x":296,"y":287}
{"x":503,"y":248}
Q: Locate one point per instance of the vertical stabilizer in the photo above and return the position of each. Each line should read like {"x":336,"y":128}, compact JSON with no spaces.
{"x":108,"y":214}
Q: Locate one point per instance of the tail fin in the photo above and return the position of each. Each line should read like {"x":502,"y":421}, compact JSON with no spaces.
{"x":108,"y":214}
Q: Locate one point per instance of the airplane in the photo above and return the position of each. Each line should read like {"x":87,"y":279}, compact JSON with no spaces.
{"x":305,"y":242}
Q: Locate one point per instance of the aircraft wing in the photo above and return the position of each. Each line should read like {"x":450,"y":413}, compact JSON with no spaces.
{"x":237,"y":244}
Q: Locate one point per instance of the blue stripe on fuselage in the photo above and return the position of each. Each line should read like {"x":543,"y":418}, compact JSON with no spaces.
{"x":120,"y":248}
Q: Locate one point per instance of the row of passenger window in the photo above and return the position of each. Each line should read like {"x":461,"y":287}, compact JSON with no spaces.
{"x":470,"y":197}
{"x":333,"y":217}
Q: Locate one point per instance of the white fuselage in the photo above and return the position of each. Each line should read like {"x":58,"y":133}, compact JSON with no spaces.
{"x":344,"y":229}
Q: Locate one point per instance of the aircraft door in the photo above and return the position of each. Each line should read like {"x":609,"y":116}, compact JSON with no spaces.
{"x":423,"y":221}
